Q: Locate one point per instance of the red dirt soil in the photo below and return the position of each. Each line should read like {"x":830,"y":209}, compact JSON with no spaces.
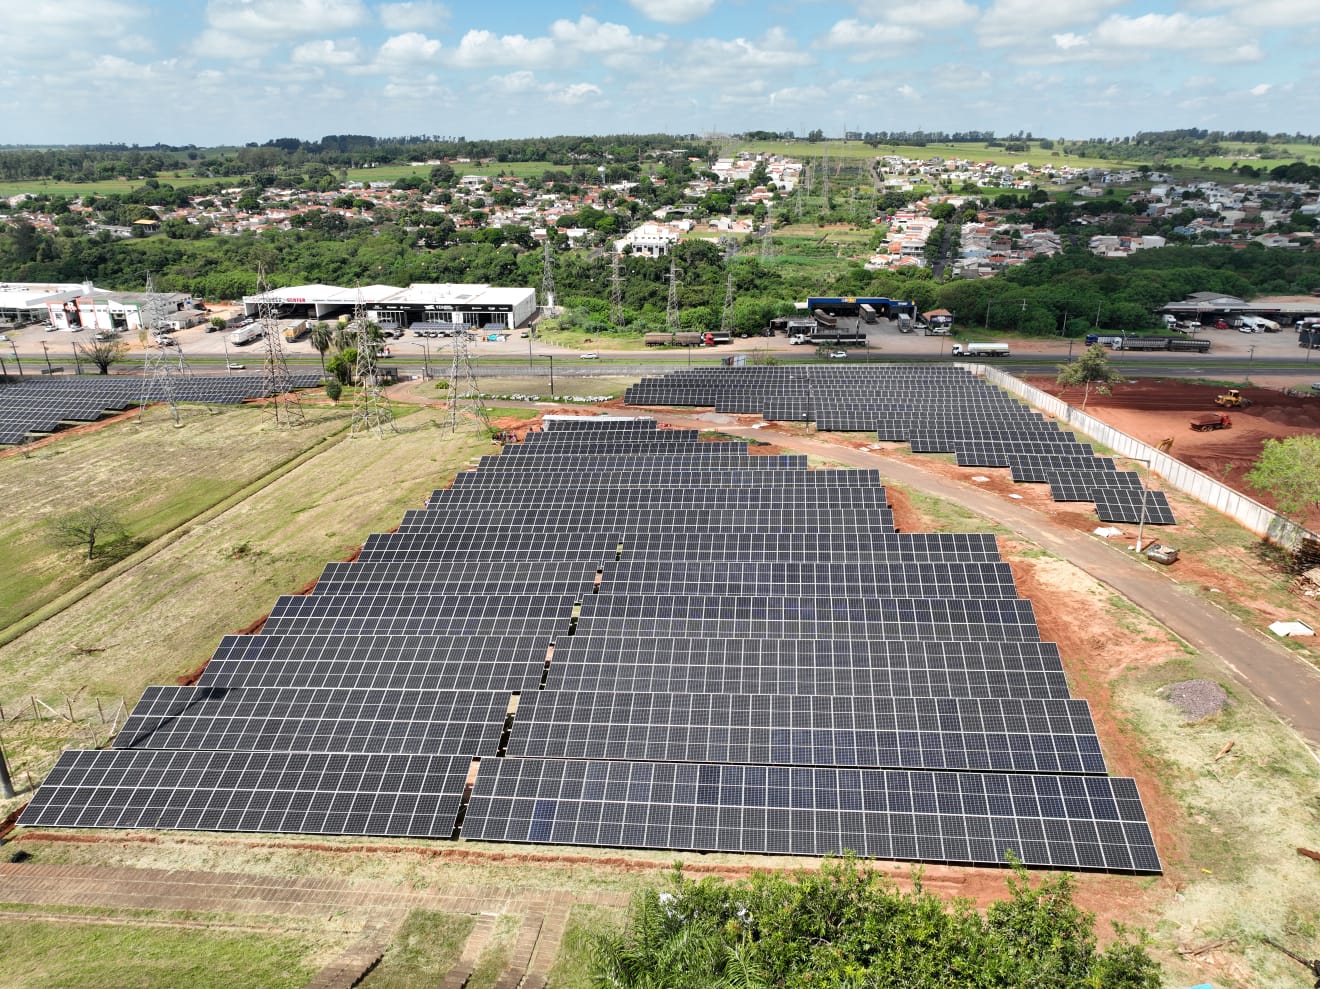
{"x":1154,"y":409}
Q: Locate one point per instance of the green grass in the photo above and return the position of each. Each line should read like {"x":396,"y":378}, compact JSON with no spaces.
{"x":572,"y":969}
{"x":421,"y":952}
{"x":392,"y":173}
{"x":104,"y":187}
{"x":191,"y":469}
{"x":495,"y":958}
{"x":55,"y":955}
{"x":972,"y":151}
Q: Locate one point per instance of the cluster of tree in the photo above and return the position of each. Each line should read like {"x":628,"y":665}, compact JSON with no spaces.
{"x":848,"y":925}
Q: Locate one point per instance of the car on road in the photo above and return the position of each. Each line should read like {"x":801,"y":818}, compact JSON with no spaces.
{"x":838,"y":354}
{"x":590,"y":355}
{"x":233,"y":366}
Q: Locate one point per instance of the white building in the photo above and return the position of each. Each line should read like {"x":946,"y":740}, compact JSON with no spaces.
{"x":651,"y":239}
{"x":472,"y":305}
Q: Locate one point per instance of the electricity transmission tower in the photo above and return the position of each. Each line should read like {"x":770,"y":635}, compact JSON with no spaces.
{"x":283,"y":406}
{"x":671,"y":307}
{"x":158,"y":370}
{"x":548,"y":278}
{"x":767,"y":238}
{"x":825,"y":178}
{"x":462,"y":376}
{"x":616,"y":293}
{"x":370,"y":410}
{"x":726,"y":320}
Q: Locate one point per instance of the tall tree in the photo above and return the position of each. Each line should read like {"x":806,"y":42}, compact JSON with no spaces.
{"x":1289,"y":471}
{"x":321,"y":338}
{"x":1091,"y":369}
{"x":102,"y":353}
{"x":87,"y":527}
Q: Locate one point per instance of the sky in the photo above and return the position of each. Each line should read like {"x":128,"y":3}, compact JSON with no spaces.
{"x":212,"y":72}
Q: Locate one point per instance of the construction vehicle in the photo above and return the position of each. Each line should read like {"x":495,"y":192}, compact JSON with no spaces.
{"x":1211,"y":420}
{"x":1233,"y":400}
{"x":1312,"y":964}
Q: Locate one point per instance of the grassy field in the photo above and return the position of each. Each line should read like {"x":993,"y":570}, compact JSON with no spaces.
{"x":422,"y":951}
{"x":106,"y":187}
{"x":392,"y":173}
{"x":42,"y":954}
{"x":972,"y":152}
{"x":192,"y":469}
{"x":216,"y":578}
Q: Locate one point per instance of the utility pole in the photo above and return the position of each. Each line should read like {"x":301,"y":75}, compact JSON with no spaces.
{"x":767,"y":238}
{"x":616,"y":292}
{"x":671,"y":307}
{"x":462,"y":376}
{"x":547,"y":277}
{"x":157,"y":375}
{"x":370,"y":410}
{"x":726,"y":320}
{"x":283,"y":406}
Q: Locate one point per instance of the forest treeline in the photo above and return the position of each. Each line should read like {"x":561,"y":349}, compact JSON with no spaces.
{"x":1070,"y":293}
{"x":90,"y":164}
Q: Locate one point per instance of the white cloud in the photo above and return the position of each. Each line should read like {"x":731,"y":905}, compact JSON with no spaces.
{"x":274,"y":20}
{"x":933,"y":14}
{"x":907,"y":92}
{"x":407,"y":49}
{"x":515,"y":82}
{"x":1260,"y":90}
{"x":326,"y":53}
{"x":615,"y":43}
{"x":1019,"y":22}
{"x":1266,"y":13}
{"x":1069,"y":41}
{"x":1175,"y":32}
{"x":481,"y":49}
{"x":673,"y":11}
{"x":872,"y":38}
{"x":71,"y":18}
{"x":428,"y":88}
{"x":574,"y":93}
{"x":416,"y":15}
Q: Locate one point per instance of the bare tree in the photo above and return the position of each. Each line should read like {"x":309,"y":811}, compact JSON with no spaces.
{"x":103,"y":353}
{"x":87,"y":527}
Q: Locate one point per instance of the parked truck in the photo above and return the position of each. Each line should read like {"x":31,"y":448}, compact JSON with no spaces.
{"x":980,"y":350}
{"x":1131,"y":341}
{"x":297,"y":330}
{"x":246,"y":334}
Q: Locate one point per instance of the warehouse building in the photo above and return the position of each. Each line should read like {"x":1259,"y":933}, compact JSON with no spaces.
{"x":472,"y":305}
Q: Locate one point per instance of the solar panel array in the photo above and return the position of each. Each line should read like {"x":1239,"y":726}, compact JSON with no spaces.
{"x":34,"y":407}
{"x":703,"y":654}
{"x":934,"y":408}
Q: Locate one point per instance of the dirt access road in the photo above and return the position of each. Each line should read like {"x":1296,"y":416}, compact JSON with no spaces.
{"x":1286,"y":684}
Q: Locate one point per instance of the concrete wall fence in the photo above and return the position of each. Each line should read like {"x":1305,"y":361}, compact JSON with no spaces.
{"x":1264,"y":522}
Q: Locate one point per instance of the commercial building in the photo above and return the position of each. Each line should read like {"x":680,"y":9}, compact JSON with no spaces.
{"x":472,"y":305}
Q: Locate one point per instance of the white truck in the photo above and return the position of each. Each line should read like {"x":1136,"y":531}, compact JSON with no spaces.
{"x":246,"y":334}
{"x":980,"y":350}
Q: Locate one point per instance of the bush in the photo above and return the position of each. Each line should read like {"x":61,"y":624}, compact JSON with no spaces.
{"x":848,"y":925}
{"x":333,"y":389}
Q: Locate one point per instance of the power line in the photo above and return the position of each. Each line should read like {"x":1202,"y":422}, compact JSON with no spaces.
{"x":283,"y":406}
{"x":370,"y":410}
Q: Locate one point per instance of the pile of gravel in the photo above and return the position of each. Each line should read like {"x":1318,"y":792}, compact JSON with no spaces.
{"x":1197,"y":699}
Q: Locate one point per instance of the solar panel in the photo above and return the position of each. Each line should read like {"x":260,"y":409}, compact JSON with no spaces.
{"x":1127,"y":505}
{"x":633,"y":644}
{"x":968,"y":818}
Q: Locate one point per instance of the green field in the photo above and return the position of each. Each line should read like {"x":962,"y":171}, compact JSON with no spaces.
{"x":392,"y":173}
{"x":192,"y":469}
{"x":53,"y":955}
{"x":972,"y":152}
{"x":37,"y":187}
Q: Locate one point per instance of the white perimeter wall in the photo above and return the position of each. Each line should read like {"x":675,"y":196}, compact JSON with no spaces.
{"x":1264,"y":522}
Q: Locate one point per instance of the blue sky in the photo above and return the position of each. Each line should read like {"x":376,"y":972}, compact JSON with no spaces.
{"x":229,"y":71}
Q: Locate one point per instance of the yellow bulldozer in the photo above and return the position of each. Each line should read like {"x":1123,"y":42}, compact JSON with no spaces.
{"x":1233,"y":400}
